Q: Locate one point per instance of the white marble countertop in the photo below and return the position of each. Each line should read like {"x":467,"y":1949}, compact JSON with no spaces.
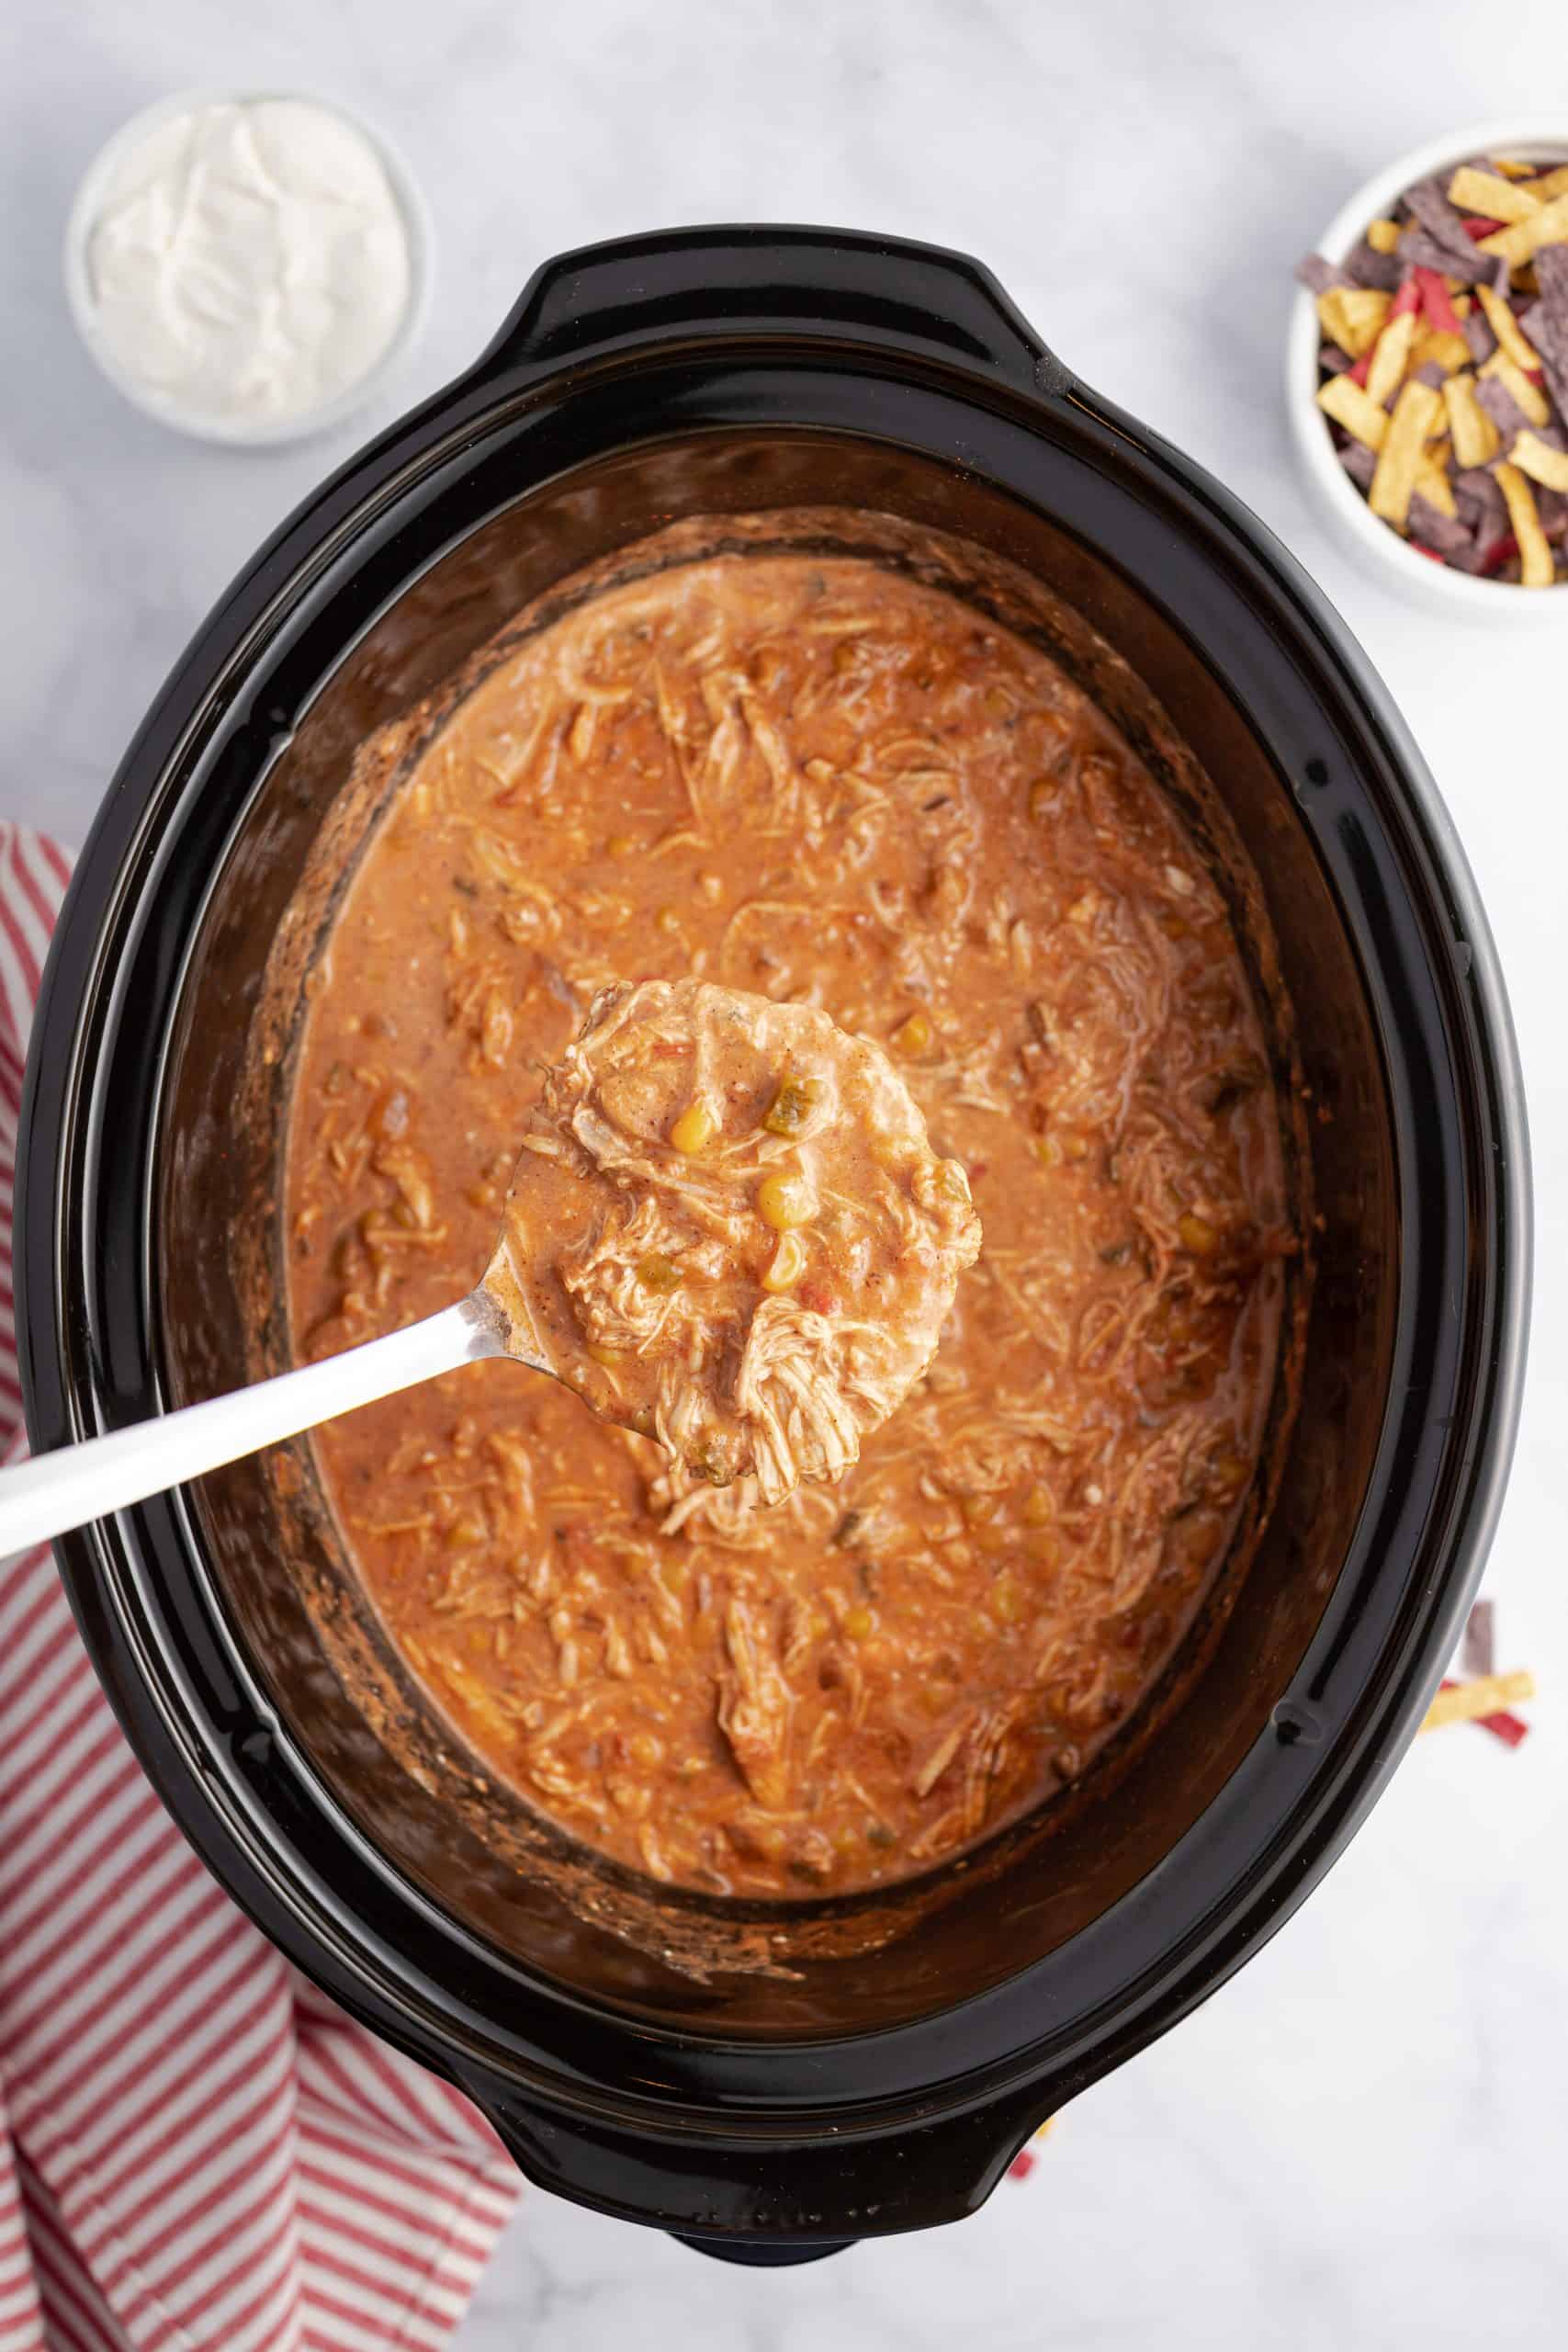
{"x":1362,"y":2141}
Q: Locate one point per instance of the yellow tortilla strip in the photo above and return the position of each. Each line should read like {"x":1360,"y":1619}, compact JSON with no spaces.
{"x":1383,"y":236}
{"x":1450,"y":351}
{"x":1475,"y":438}
{"x":1352,"y":316}
{"x":1510,"y":335}
{"x":1414,"y":418}
{"x":1551,"y":183}
{"x":1497,"y":200}
{"x":1516,"y":244}
{"x":1466,"y":1703}
{"x":1390,"y":355}
{"x":1432,"y":483}
{"x":1537,"y":568}
{"x":1540,"y":460}
{"x":1364,"y":418}
{"x":1528,"y":396}
{"x":1512,"y":168}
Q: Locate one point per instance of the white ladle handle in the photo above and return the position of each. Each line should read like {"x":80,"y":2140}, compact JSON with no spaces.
{"x":54,"y":1491}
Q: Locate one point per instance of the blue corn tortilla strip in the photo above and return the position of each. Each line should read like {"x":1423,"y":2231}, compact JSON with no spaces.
{"x":1501,"y":406}
{"x":1443,"y":533}
{"x":1319,"y":276}
{"x":1478,"y":1652}
{"x":1481,"y":341}
{"x":1473,"y":266}
{"x":1332,"y":360}
{"x":1552,"y":505}
{"x":1360,"y":463}
{"x":1477,"y":496}
{"x":1367,"y":266}
{"x":1444,"y":223}
{"x":1432,"y":372}
{"x":1546,"y":322}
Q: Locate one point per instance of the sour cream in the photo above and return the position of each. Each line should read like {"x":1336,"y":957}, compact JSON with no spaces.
{"x":245,"y":265}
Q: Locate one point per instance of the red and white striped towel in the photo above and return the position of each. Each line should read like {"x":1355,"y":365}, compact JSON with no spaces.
{"x":197,"y":2149}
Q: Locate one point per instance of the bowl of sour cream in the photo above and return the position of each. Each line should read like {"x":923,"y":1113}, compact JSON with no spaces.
{"x":247,"y":269}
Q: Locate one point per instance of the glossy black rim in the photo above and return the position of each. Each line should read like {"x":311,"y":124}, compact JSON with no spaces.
{"x":592,"y":361}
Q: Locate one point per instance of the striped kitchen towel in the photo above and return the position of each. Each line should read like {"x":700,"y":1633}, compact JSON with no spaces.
{"x":198,"y":2151}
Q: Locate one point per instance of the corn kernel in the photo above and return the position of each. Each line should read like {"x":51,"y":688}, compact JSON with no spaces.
{"x":695,"y":1129}
{"x":620,"y":845}
{"x":1008,"y":1601}
{"x":914,"y":1036}
{"x":789,"y":1263}
{"x":786,"y":1200}
{"x":860,"y":1624}
{"x":1038,"y":1509}
{"x":659,"y":1273}
{"x":1197,"y":1234}
{"x":974,"y":1509}
{"x":667,"y":921}
{"x":1230,"y":1473}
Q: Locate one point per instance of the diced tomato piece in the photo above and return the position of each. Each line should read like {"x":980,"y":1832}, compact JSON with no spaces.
{"x":1437,"y":306}
{"x":1477,"y":227}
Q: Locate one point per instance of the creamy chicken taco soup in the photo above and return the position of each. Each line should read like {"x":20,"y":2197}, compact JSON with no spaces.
{"x":824,"y":783}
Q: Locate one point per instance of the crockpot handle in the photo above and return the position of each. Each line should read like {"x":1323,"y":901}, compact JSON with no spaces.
{"x":686,"y":284}
{"x":768,"y":2202}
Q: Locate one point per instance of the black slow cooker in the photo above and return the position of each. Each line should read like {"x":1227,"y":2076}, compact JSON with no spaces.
{"x":853,"y":2069}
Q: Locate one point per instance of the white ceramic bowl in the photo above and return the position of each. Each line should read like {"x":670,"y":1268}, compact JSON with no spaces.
{"x":85,"y":210}
{"x":1534,"y":139}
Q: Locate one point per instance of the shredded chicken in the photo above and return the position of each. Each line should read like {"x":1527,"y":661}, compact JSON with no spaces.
{"x":701,"y":1166}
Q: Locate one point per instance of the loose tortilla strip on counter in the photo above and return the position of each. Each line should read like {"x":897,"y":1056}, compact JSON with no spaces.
{"x":1500,"y":200}
{"x":1465,"y":1702}
{"x":1537,"y":566}
{"x":1540,"y":460}
{"x":1415,"y":419}
{"x":1475,"y":438}
{"x":1516,"y":244}
{"x":1478,"y":1653}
